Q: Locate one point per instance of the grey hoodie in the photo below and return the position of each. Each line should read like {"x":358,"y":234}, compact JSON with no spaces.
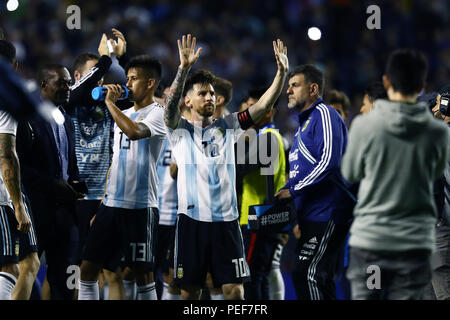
{"x":396,"y":152}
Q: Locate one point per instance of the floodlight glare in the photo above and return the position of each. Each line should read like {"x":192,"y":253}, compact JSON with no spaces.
{"x":12,"y":5}
{"x":314,"y":33}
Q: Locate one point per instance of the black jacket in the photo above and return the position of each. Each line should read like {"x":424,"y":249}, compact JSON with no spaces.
{"x":39,"y":161}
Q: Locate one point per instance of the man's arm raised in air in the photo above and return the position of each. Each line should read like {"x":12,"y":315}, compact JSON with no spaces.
{"x":267,"y":100}
{"x":188,"y":56}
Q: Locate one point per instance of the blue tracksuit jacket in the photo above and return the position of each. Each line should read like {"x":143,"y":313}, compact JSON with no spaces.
{"x":314,"y":160}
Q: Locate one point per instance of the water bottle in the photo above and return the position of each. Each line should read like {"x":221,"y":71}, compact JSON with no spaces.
{"x":99,"y":93}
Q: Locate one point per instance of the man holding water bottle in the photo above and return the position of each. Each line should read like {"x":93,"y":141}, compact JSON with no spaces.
{"x":123,"y":231}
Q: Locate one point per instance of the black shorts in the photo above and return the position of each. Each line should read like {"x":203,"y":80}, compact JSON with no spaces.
{"x":14,"y":244}
{"x":164,"y":248}
{"x":215,"y":247}
{"x":85,"y":210}
{"x":122,"y":237}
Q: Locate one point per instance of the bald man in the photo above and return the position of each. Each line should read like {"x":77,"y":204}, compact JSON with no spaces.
{"x":50,"y":178}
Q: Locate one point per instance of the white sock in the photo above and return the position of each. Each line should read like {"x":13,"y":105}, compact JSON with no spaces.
{"x":147,"y":292}
{"x":7,"y":283}
{"x":217,"y":296}
{"x":171,"y":296}
{"x":130,"y":289}
{"x":105,"y":291}
{"x":276,"y":285}
{"x":88,"y":290}
{"x":165,"y":291}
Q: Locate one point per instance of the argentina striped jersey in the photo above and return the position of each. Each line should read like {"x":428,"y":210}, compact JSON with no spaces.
{"x":167,"y":188}
{"x":206,"y":181}
{"x":133,"y":181}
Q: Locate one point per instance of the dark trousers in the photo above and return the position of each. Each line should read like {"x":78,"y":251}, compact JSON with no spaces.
{"x":316,"y":263}
{"x":259,"y":249}
{"x":58,"y":238}
{"x":440,"y":263}
{"x":388,"y":275}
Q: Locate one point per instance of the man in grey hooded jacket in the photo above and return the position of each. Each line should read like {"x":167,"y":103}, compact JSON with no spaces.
{"x":395,"y":152}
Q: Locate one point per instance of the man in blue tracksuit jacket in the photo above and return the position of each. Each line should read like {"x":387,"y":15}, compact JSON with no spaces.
{"x":322,"y":198}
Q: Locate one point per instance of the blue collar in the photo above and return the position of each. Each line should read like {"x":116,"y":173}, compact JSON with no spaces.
{"x":305,"y":113}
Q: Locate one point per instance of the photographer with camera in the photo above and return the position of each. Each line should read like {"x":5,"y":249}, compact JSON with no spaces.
{"x":440,"y":259}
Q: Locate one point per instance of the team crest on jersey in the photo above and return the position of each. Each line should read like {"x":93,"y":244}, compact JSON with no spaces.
{"x":17,"y":248}
{"x":180,"y":272}
{"x":306,"y":124}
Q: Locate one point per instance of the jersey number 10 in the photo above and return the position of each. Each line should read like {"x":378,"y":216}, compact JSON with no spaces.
{"x":241,"y":268}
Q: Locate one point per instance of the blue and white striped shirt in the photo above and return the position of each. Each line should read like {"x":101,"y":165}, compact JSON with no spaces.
{"x":206,"y":179}
{"x":133,"y":181}
{"x":167,"y":188}
{"x":93,"y":147}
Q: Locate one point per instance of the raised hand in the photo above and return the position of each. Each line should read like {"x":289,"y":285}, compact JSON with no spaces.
{"x":121,"y":46}
{"x":280,"y":51}
{"x":186,"y":49}
{"x":103,"y":46}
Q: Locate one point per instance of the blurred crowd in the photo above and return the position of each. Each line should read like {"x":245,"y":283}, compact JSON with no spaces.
{"x":236,"y":38}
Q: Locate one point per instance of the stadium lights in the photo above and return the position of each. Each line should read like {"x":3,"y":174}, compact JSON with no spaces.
{"x":314,"y":33}
{"x":12,"y":5}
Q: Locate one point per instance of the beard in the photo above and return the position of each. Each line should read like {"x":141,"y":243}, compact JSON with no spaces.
{"x":297,"y":105}
{"x":208,"y":111}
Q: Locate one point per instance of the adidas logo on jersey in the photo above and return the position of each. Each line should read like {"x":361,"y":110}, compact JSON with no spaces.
{"x":313,"y":240}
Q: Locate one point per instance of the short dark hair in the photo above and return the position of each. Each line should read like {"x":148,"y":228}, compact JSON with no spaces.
{"x":375,"y":90}
{"x":7,"y":51}
{"x":151,"y":66}
{"x":159,"y":91}
{"x":256,"y":92}
{"x":200,"y":76}
{"x":44,"y":71}
{"x":407,"y":70}
{"x":81,"y":60}
{"x":311,"y":73}
{"x":338,"y":97}
{"x":224,"y":88}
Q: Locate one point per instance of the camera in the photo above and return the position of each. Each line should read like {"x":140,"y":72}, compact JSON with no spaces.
{"x":444,"y":106}
{"x":431,"y":98}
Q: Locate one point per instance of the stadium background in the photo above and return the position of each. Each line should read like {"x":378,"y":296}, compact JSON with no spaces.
{"x":236,"y":38}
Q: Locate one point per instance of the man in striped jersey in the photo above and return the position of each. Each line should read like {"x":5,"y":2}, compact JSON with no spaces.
{"x":321,"y":197}
{"x":208,"y":236}
{"x":18,"y":246}
{"x":125,"y":225}
{"x":167,"y":205}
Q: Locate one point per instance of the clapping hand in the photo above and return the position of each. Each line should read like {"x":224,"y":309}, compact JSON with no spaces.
{"x":119,"y":47}
{"x":103,"y":46}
